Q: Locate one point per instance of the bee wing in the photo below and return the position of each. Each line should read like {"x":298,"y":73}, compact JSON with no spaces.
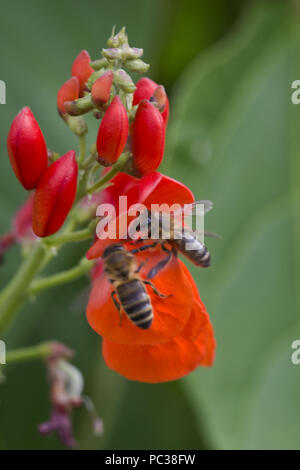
{"x":198,"y":207}
{"x":195,"y":213}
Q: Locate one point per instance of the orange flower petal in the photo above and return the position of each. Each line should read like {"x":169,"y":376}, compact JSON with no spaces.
{"x":154,"y":363}
{"x":207,"y":340}
{"x":161,"y":362}
{"x":170,"y":314}
{"x":196,"y":322}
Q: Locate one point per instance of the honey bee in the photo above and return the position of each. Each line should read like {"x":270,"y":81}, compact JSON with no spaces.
{"x":132,"y":296}
{"x":184,"y":241}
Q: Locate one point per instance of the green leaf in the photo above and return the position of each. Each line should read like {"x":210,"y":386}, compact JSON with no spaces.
{"x":235,"y":140}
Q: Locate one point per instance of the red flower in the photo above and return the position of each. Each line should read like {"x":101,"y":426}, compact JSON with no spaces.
{"x":69,"y":91}
{"x":181,"y":336}
{"x":113,"y":133}
{"x":81,"y":69}
{"x":145,"y":89}
{"x":55,"y":195}
{"x":27,"y":149}
{"x":148,"y":138}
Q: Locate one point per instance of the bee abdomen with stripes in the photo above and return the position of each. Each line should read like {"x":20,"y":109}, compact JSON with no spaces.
{"x":136,"y":303}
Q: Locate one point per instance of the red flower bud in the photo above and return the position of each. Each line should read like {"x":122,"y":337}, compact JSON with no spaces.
{"x":145,"y":89}
{"x":55,"y":195}
{"x":69,"y":91}
{"x":81,"y":69}
{"x":113,"y":133}
{"x":101,"y":89}
{"x":27,"y":149}
{"x":148,"y":138}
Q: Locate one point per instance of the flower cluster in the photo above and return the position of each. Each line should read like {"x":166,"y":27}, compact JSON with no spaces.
{"x":54,"y":184}
{"x":130,"y":145}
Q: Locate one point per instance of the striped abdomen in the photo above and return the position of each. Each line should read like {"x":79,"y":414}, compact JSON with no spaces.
{"x":135,"y":302}
{"x":199,"y":254}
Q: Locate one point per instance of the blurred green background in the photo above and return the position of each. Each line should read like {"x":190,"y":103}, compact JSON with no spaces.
{"x":233,"y":138}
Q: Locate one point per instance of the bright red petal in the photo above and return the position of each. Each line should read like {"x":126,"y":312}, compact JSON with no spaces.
{"x":155,"y":363}
{"x":207,"y":340}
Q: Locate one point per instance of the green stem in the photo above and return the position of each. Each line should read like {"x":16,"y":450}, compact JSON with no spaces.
{"x":89,"y":161}
{"x":78,"y":236}
{"x":82,"y":149}
{"x":14,"y":294}
{"x":61,"y":278}
{"x":31,"y":353}
{"x":119,"y":166}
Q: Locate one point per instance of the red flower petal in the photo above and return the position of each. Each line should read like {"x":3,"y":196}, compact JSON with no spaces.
{"x":207,"y":340}
{"x":153,"y":363}
{"x":161,"y":362}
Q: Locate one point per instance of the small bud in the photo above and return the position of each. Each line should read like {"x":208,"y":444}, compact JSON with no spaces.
{"x":137,"y":65}
{"x":69,"y":91}
{"x":94,"y":77}
{"x":80,"y":106}
{"x":113,"y":133}
{"x":148,"y":138}
{"x":27,"y":149}
{"x":77,"y":124}
{"x":81,"y":69}
{"x":117,"y":40}
{"x":130,"y":53}
{"x":102,"y":88}
{"x":55,"y":195}
{"x":145,"y":89}
{"x":112,"y":53}
{"x":124,"y":81}
{"x":99,"y":64}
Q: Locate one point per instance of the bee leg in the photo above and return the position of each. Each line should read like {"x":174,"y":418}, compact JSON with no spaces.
{"x":149,"y":283}
{"x":143,"y":248}
{"x":141,"y":266}
{"x":159,"y":266}
{"x":116,"y":304}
